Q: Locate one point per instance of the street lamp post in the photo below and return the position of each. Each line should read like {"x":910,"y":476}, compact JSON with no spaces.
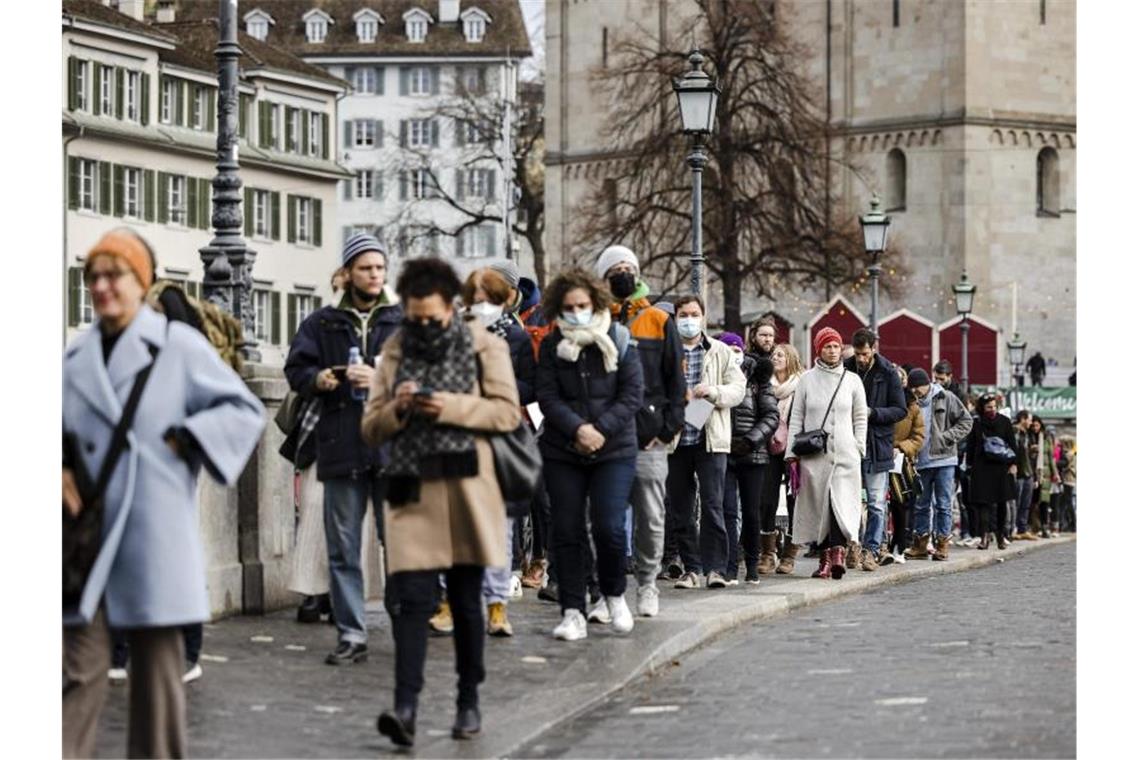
{"x":875,"y":225}
{"x":964,"y":292}
{"x":697,"y":98}
{"x":227,"y":260}
{"x":1016,"y":349}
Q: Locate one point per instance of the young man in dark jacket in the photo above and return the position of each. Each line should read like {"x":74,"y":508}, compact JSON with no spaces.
{"x":351,"y":471}
{"x":662,"y":414}
{"x":886,"y":405}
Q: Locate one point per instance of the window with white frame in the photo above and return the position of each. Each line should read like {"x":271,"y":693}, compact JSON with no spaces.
{"x":167,"y":101}
{"x":261,"y":213}
{"x":86,"y":309}
{"x":419,"y":133}
{"x":316,"y":29}
{"x":177,"y":200}
{"x":106,"y":104}
{"x":87,"y":184}
{"x":198,"y":109}
{"x":474,"y":28}
{"x":304,"y":220}
{"x":132,"y":193}
{"x":364,"y":79}
{"x":478,"y":183}
{"x":258,"y":28}
{"x":306,"y":305}
{"x":261,"y":315}
{"x":419,"y":80}
{"x":364,"y":185}
{"x":366,"y":29}
{"x":81,"y":85}
{"x":470,"y":132}
{"x":314,"y":147}
{"x":477,"y":242}
{"x":131,"y":93}
{"x":294,"y":117}
{"x":473,"y":79}
{"x":421,"y":183}
{"x":363,"y":133}
{"x":416,"y":28}
{"x":275,"y":124}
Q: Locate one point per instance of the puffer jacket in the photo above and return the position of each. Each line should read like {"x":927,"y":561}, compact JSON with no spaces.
{"x":910,"y":431}
{"x":756,"y":417}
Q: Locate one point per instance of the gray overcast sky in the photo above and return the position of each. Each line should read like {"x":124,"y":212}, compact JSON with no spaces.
{"x":534,"y":13}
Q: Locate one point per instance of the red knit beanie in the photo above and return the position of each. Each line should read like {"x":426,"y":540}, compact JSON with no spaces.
{"x":825,"y":336}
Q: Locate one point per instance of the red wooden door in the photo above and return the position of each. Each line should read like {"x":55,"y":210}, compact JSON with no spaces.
{"x":840,"y":318}
{"x":983,"y":366}
{"x":905,"y":340}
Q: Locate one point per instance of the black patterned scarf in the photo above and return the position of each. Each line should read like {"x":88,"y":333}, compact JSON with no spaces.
{"x":425,"y":449}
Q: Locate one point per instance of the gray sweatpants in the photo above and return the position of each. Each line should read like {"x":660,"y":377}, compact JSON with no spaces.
{"x":647,"y":497}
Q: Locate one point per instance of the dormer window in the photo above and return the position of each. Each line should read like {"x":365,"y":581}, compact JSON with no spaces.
{"x":316,"y":25}
{"x":474,"y":24}
{"x":257,"y":23}
{"x":368,"y":24}
{"x":416,"y":24}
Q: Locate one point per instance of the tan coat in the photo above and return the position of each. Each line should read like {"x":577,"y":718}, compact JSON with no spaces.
{"x":910,"y":432}
{"x":457,"y":521}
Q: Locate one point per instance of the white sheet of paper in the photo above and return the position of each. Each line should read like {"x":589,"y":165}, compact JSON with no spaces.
{"x":697,"y":412}
{"x":536,"y":415}
{"x":898,"y":463}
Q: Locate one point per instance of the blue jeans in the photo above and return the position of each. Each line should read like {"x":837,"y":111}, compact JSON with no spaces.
{"x":876,"y":485}
{"x":346,"y":503}
{"x":1024,"y":502}
{"x":497,"y":580}
{"x":937,"y":492}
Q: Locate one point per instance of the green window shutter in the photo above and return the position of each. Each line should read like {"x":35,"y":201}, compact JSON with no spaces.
{"x":180,"y":103}
{"x":205,"y":201}
{"x":275,"y":318}
{"x":303,"y":148}
{"x":291,"y":315}
{"x":144,"y":108}
{"x":290,"y":132}
{"x":324,"y":135}
{"x":193,"y":289}
{"x":243,"y":103}
{"x":118,"y":92}
{"x":291,"y":229}
{"x":95,"y":76}
{"x":263,"y":117}
{"x":211,"y":109}
{"x":104,"y":187}
{"x":118,"y":170}
{"x":348,"y":183}
{"x":316,"y":223}
{"x":316,"y":302}
{"x":72,"y":182}
{"x":148,"y":195}
{"x":191,"y":202}
{"x":72,"y":67}
{"x":247,"y":212}
{"x":163,"y":197}
{"x":275,"y":215}
{"x":379,"y":80}
{"x":74,"y":283}
{"x":348,"y":141}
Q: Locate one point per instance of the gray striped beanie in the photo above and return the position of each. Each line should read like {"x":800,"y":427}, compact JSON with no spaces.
{"x":360,"y":243}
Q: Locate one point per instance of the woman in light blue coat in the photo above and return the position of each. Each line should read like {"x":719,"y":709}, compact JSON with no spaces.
{"x":149,"y":577}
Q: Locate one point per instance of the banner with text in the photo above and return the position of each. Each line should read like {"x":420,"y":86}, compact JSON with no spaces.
{"x":1049,"y":403}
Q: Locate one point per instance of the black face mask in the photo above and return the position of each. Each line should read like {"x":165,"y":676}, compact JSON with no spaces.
{"x":426,"y":340}
{"x":622,"y":284}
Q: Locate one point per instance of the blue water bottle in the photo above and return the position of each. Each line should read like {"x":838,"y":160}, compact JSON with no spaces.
{"x":354,"y":357}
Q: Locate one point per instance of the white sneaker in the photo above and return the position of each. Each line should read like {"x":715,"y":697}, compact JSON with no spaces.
{"x":600,"y":613}
{"x":647,"y":605}
{"x":516,"y":591}
{"x":572,"y":627}
{"x":117,"y":674}
{"x":900,"y":558}
{"x":193,"y":673}
{"x":619,"y":611}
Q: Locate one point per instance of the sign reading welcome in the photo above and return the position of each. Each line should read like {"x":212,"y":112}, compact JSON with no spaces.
{"x":1050,"y":403}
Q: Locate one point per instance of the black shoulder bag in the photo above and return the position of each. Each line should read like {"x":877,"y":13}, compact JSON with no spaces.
{"x":83,"y":534}
{"x":811,"y":442}
{"x":518,"y":463}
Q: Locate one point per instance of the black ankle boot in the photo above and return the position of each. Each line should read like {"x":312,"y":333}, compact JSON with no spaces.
{"x":309,"y":611}
{"x":399,"y":725}
{"x":468,"y":723}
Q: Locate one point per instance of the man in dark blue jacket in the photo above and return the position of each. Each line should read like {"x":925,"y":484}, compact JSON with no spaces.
{"x":351,"y":471}
{"x":886,"y":405}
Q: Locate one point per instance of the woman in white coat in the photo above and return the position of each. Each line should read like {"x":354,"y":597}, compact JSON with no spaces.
{"x":149,"y":577}
{"x":828,"y":505}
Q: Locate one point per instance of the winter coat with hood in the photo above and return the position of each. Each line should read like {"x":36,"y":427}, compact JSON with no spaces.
{"x":323,"y":341}
{"x":756,"y":417}
{"x":910,"y":431}
{"x":950,"y":423}
{"x":886,"y":405}
{"x":725,"y":382}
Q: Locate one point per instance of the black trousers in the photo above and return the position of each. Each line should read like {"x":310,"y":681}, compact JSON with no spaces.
{"x":835,"y":535}
{"x":750,"y":484}
{"x":900,"y":523}
{"x":992,"y":518}
{"x":411,"y":598}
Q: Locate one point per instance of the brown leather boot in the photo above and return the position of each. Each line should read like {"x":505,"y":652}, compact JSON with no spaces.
{"x":767,"y":564}
{"x":918,"y":548}
{"x":854,"y":555}
{"x":837,"y":565}
{"x":788,"y":557}
{"x":824,"y":569}
{"x":942,"y":548}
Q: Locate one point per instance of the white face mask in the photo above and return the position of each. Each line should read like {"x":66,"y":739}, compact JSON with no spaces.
{"x":689,"y":327}
{"x":578,"y":318}
{"x":487,"y":313}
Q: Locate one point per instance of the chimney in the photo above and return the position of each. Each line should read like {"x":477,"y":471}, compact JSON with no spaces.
{"x":133,"y":8}
{"x":165,"y":12}
{"x":448,"y":11}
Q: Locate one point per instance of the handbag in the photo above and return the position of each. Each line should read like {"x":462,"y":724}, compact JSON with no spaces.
{"x":778,"y":443}
{"x":518,"y":463}
{"x":995,"y":449}
{"x":811,"y":442}
{"x":82,"y":534}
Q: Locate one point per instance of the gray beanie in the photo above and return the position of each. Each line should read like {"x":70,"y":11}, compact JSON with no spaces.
{"x":614,"y":255}
{"x":360,"y":243}
{"x":508,"y":270}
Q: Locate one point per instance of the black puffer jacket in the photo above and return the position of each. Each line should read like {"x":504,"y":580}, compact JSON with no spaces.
{"x":756,"y":418}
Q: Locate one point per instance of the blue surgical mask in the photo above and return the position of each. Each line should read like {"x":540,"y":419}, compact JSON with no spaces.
{"x":689,"y":327}
{"x":578,"y":318}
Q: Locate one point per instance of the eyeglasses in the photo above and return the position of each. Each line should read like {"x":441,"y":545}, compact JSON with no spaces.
{"x":111,"y":275}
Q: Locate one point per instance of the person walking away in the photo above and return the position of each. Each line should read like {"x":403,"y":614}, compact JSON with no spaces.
{"x":787,"y":371}
{"x":701,"y":453}
{"x":992,"y":482}
{"x":831,"y":399}
{"x":1036,"y":367}
{"x":443,"y":385}
{"x":754,"y":421}
{"x":1026,"y":477}
{"x":886,"y":405}
{"x":351,"y":471}
{"x":947,"y":423}
{"x":660,"y":418}
{"x":589,"y":387}
{"x":910,"y":435}
{"x":186,"y":410}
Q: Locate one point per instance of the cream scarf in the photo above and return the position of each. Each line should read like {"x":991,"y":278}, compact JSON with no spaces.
{"x":596,"y":333}
{"x":783,"y":392}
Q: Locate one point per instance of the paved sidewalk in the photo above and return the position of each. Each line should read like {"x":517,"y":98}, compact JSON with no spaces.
{"x":267,"y":693}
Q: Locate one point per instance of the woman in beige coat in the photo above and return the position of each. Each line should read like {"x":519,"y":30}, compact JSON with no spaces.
{"x":828,"y":505}
{"x":442,"y":385}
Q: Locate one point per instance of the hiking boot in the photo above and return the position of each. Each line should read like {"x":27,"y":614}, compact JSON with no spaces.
{"x":854,"y":554}
{"x":942,"y":548}
{"x":919,"y":546}
{"x":688,"y":580}
{"x":838,"y":567}
{"x":824,"y":569}
{"x":869,"y":562}
{"x":534,"y":573}
{"x":497,"y":622}
{"x":441,"y":624}
{"x":788,"y":557}
{"x":768,"y":559}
